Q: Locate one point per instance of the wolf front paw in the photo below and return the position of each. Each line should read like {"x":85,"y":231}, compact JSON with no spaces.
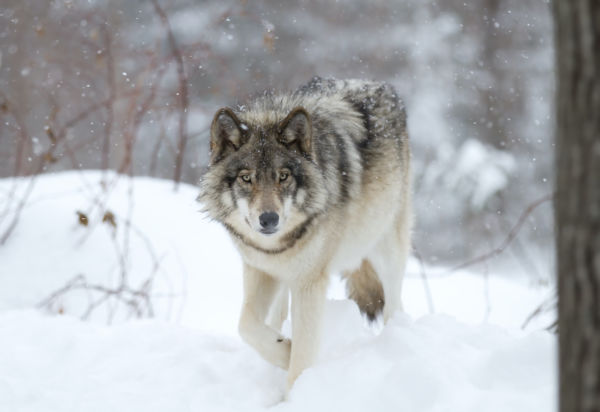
{"x":291,"y":379}
{"x":281,"y":355}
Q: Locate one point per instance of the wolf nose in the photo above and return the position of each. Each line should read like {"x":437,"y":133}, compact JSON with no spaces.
{"x":269,"y":220}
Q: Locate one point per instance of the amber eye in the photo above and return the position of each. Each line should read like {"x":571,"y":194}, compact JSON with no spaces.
{"x":246,"y":178}
{"x":283,"y":176}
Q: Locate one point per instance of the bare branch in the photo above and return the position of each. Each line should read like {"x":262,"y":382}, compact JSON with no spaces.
{"x":509,"y":238}
{"x":183,"y":91}
{"x":110,"y":79}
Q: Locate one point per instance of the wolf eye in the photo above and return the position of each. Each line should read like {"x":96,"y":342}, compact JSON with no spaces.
{"x":245,"y":178}
{"x":283,"y":176}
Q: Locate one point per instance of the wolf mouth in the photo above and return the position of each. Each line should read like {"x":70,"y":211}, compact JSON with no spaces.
{"x":288,"y":241}
{"x":263,"y":230}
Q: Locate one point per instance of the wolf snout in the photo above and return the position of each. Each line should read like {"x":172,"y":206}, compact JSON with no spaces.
{"x":268,"y":222}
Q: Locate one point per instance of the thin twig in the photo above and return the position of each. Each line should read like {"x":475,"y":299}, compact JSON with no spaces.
{"x":110,"y":79}
{"x":546,"y":306}
{"x":183,"y":91}
{"x":509,"y":238}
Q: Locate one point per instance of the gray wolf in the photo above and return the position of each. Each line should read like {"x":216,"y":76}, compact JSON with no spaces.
{"x":309,"y":183}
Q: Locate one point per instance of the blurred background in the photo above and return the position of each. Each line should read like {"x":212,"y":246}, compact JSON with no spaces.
{"x":132,"y":86}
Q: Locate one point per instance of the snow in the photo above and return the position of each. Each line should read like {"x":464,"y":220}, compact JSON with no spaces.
{"x":470,"y":355}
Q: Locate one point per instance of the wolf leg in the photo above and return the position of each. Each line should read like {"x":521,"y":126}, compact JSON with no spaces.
{"x":279,"y":310}
{"x":389,"y":261}
{"x":308,"y":300}
{"x":259,"y":292}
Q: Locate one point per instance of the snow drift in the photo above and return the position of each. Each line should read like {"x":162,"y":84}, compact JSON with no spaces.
{"x":470,"y":355}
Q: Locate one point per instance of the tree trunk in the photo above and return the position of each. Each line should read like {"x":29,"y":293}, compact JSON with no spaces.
{"x":577,"y":205}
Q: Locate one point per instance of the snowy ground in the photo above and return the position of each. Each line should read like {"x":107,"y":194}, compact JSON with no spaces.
{"x":470,"y":355}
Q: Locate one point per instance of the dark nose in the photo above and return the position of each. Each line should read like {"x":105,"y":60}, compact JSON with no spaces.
{"x":269,"y":220}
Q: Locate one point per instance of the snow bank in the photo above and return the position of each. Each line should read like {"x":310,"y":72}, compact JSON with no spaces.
{"x":198,"y":272}
{"x":432,"y":364}
{"x":469,"y":356}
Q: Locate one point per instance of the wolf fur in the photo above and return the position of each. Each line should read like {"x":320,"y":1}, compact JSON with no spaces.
{"x":309,"y":183}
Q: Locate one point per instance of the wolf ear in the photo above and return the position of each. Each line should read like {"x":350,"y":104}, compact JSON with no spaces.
{"x":227,"y":134}
{"x":296,"y":128}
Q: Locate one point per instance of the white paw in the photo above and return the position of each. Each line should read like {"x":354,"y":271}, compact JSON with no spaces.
{"x":281,"y":355}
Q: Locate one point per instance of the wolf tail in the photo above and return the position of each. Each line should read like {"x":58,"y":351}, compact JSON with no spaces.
{"x":363,"y":286}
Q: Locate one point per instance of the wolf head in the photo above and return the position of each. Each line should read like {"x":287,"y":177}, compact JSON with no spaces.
{"x":262,"y":182}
